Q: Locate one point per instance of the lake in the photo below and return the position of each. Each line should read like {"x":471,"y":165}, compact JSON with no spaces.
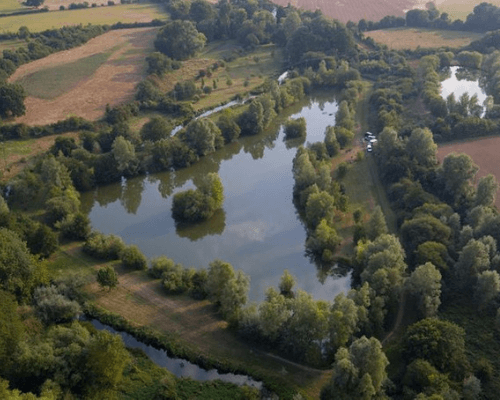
{"x":258,"y":229}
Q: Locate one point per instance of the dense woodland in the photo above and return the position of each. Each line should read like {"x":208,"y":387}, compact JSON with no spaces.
{"x":444,"y":252}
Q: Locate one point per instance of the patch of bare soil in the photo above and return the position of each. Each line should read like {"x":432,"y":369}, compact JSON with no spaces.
{"x":113,"y":83}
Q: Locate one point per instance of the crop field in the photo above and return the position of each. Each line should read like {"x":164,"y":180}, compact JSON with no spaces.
{"x":97,"y":16}
{"x":411,"y":38}
{"x":81,"y":81}
{"x":10,"y":6}
{"x":459,"y":9}
{"x":484,"y":152}
{"x":354,"y":10}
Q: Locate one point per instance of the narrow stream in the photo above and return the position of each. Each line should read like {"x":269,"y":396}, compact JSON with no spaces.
{"x":179,"y":367}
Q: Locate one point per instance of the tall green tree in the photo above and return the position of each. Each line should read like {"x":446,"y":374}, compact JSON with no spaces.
{"x":179,"y":39}
{"x":359,"y":372}
{"x":12,"y":98}
{"x":425,"y":283}
{"x":203,"y":136}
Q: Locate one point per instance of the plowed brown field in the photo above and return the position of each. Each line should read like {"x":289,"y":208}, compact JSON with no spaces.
{"x":113,"y":82}
{"x":484,"y":152}
{"x":354,"y":10}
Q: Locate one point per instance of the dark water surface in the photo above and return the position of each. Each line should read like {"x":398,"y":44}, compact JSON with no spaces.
{"x":180,"y":368}
{"x":258,"y":230}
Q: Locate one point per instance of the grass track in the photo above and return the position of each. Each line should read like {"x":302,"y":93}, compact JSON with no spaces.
{"x":97,"y":16}
{"x":411,"y":38}
{"x":50,"y":83}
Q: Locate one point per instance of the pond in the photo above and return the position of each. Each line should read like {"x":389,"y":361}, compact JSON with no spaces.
{"x":258,"y":229}
{"x":179,"y":367}
{"x":463,"y":81}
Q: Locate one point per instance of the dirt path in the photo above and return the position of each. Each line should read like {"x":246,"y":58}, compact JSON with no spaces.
{"x":399,"y":318}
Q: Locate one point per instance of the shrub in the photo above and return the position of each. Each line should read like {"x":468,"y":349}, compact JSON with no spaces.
{"x":132,"y":257}
{"x":53,"y":307}
{"x":107,"y":277}
{"x":160,"y":265}
{"x":107,"y":247}
{"x":75,"y":226}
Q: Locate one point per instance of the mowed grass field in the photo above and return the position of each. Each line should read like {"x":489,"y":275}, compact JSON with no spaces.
{"x":98,"y":16}
{"x":81,"y":81}
{"x":483,"y":151}
{"x":411,"y":38}
{"x":459,"y":9}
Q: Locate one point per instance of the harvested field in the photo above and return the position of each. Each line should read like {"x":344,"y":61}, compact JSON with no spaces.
{"x":411,"y":38}
{"x":125,"y":13}
{"x":459,"y":9}
{"x":10,"y":6}
{"x":111,"y":82}
{"x":354,"y":10}
{"x":484,"y":152}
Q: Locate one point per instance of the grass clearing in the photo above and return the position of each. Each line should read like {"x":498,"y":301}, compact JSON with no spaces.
{"x":50,"y":83}
{"x":16,"y":154}
{"x":412,"y":38}
{"x":12,"y":44}
{"x":246,"y":71}
{"x":125,"y":13}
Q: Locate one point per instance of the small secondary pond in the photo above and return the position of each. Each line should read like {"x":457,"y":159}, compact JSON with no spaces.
{"x":258,"y":230}
{"x":180,"y":368}
{"x":463,"y":81}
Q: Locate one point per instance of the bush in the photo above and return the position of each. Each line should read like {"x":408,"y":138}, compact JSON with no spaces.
{"x":107,"y":277}
{"x":132,"y":257}
{"x":53,"y":307}
{"x":160,"y":265}
{"x":106,"y":247}
{"x":75,"y":226}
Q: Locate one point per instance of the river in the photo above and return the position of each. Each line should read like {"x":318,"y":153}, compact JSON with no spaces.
{"x":258,"y":229}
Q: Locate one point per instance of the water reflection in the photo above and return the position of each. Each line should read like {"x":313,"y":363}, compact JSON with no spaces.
{"x":462,"y":81}
{"x":213,"y":226}
{"x":258,"y":230}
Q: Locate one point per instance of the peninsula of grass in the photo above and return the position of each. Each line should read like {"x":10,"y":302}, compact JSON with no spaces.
{"x":50,"y":83}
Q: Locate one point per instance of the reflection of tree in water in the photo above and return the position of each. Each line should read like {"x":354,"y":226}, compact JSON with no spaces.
{"x":108,"y":194}
{"x":255,"y":145}
{"x":337,"y":269}
{"x":294,"y":143}
{"x":212,"y":226}
{"x":132,"y":195}
{"x":468,"y":74}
